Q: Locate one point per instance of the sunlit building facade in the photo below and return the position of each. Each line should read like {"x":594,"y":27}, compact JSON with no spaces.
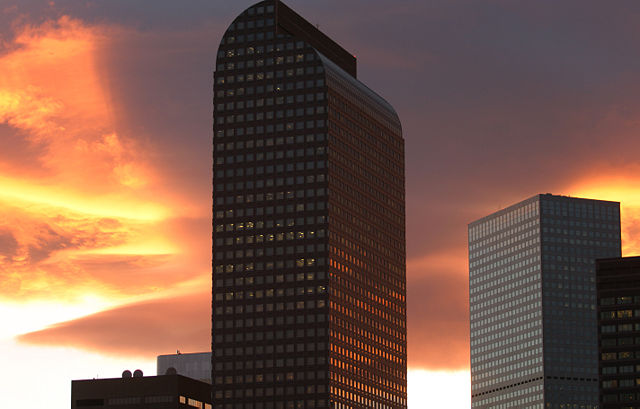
{"x":309,"y":306}
{"x":532,"y":298}
{"x":618,"y":283}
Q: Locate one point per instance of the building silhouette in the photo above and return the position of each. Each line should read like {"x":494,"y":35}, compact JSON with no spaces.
{"x":309,"y":306}
{"x":533,"y":302}
{"x":138,"y":392}
{"x":618,"y":284}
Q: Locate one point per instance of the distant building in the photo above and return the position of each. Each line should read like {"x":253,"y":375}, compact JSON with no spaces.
{"x":532,"y":296}
{"x":138,"y":392}
{"x":618,"y":283}
{"x":194,"y":365}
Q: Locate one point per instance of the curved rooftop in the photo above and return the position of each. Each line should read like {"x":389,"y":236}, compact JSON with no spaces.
{"x":386,"y":110}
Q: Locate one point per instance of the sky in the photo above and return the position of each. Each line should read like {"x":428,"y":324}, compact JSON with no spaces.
{"x":105,"y":163}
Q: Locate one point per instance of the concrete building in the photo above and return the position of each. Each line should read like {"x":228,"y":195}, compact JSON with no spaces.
{"x":533,"y":302}
{"x":309,"y":306}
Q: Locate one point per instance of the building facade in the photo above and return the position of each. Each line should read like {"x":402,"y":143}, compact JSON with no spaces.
{"x":138,"y":392}
{"x":193,"y":365}
{"x":618,"y":284}
{"x":533,"y":302}
{"x":309,"y":306}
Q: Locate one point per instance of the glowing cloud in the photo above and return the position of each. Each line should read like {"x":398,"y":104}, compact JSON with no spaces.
{"x":85,"y":218}
{"x":151,"y":328}
{"x":52,"y":90}
{"x":109,"y":205}
{"x":620,"y":185}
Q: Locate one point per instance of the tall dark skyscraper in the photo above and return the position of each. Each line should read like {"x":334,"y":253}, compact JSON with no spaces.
{"x":532,"y":292}
{"x":309,"y":277}
{"x":618,"y":283}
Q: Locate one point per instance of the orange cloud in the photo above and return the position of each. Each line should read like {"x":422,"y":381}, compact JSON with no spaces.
{"x":49,"y":255}
{"x":48,"y":252}
{"x":52,"y":89}
{"x":143,"y":329}
{"x":450,"y":261}
{"x":51,"y":67}
{"x":86,"y":215}
{"x":438,"y":315}
{"x":620,"y":185}
{"x":437,"y":297}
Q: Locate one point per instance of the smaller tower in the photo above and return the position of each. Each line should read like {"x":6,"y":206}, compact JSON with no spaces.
{"x":532,"y":294}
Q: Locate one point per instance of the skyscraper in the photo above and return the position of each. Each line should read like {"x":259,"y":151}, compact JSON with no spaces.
{"x":309,"y":305}
{"x":618,"y":283}
{"x":533,"y":302}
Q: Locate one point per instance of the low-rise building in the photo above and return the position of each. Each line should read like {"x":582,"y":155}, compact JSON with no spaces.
{"x":138,"y":392}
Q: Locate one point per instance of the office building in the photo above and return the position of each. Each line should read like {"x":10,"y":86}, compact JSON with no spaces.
{"x":192,"y":365}
{"x":533,"y":302}
{"x":618,"y":284}
{"x":309,"y":236}
{"x":138,"y":392}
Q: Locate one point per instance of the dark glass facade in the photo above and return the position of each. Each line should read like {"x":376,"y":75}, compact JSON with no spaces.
{"x":309,"y":306}
{"x":532,"y":300}
{"x":618,"y":283}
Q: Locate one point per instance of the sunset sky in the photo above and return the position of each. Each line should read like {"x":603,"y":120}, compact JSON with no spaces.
{"x":105,"y":163}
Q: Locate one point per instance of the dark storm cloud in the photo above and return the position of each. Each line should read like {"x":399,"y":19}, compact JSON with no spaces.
{"x":141,"y":14}
{"x":499,"y":100}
